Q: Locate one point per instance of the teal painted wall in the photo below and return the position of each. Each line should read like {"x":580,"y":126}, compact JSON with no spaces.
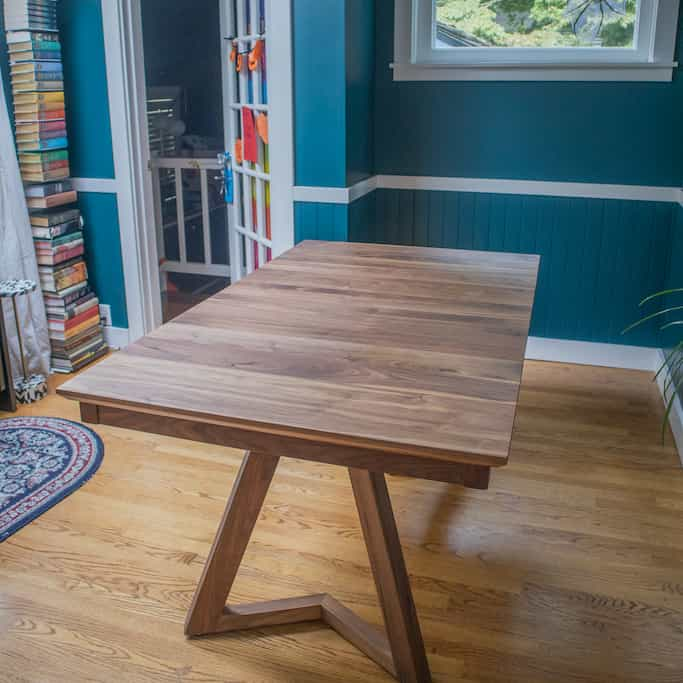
{"x":585,"y":132}
{"x":103,"y":252}
{"x":85,"y":89}
{"x":360,"y":67}
{"x":318,"y":221}
{"x":334,"y":55}
{"x":598,"y":257}
{"x":319,"y":93}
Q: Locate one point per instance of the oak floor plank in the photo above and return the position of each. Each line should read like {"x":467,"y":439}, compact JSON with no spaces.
{"x":568,"y":569}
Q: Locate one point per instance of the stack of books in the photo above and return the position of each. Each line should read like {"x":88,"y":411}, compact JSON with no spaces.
{"x":42,"y":146}
{"x":32,"y":15}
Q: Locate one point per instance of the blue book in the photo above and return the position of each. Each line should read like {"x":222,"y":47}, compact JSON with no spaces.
{"x":39,"y":65}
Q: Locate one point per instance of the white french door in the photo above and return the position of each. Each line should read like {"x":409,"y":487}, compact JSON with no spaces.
{"x":254,"y":233}
{"x":257,"y":106}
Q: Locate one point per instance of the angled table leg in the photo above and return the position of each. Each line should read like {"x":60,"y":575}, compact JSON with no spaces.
{"x":402,"y":654}
{"x":391,"y":577}
{"x":232,"y":537}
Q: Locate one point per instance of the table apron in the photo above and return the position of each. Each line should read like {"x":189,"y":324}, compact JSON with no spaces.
{"x":420,"y":467}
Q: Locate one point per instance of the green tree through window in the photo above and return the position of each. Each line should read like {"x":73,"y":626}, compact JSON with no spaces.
{"x":536,"y":23}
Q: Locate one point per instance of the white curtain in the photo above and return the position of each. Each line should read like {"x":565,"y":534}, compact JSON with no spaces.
{"x":17,"y":258}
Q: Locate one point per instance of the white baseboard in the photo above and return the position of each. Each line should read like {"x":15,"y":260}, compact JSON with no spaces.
{"x":116,"y":337}
{"x":592,"y":353}
{"x":676,"y":414}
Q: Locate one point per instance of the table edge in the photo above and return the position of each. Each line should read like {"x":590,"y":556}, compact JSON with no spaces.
{"x":468,"y":475}
{"x":307,"y":436}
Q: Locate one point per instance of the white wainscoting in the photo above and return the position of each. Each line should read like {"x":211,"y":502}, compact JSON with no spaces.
{"x":544,"y":188}
{"x":116,"y":337}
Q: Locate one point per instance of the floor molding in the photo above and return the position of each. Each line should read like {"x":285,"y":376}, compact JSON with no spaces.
{"x":116,"y":337}
{"x":592,"y":353}
{"x":676,"y":414}
{"x":544,"y":188}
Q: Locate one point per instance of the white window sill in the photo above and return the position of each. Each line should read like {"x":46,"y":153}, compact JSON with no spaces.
{"x":660,"y":72}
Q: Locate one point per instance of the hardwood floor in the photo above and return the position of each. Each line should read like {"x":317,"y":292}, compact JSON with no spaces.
{"x":569,"y":568}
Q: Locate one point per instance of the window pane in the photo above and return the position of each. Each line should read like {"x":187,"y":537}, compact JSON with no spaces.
{"x":535,"y":23}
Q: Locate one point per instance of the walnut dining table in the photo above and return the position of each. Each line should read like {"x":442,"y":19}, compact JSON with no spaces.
{"x":378,"y":358}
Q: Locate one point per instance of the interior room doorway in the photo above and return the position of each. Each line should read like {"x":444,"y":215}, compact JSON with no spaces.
{"x":216,"y":127}
{"x":182,"y":54}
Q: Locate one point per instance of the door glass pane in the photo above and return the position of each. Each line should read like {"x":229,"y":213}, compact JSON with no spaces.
{"x":248,"y":88}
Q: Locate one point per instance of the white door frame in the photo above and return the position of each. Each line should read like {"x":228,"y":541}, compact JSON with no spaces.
{"x":122,"y":27}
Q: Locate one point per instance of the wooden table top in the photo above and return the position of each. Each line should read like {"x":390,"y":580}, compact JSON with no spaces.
{"x":403,"y":350}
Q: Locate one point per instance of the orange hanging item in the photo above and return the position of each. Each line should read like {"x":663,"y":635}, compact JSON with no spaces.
{"x":239,"y":157}
{"x":255,"y":55}
{"x":238,"y":66}
{"x":262,"y":127}
{"x":233,"y":52}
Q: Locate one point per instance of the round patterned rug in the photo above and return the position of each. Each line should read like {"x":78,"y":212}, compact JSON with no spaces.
{"x":42,"y":460}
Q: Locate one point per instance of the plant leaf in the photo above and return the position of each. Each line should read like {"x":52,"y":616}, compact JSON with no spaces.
{"x":664,"y":311}
{"x":673,"y":369}
{"x":671,"y":354}
{"x":671,"y":324}
{"x":664,"y":292}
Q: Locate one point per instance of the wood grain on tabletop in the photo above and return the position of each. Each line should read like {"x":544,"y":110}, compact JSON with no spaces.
{"x":413,"y":350}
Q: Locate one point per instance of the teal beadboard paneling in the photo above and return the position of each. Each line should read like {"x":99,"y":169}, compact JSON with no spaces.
{"x":362,"y":216}
{"x":599,"y":258}
{"x":103,"y":252}
{"x":85,"y":89}
{"x":318,"y":221}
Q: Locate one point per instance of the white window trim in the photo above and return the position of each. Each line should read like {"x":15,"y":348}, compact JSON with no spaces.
{"x":652,"y":60}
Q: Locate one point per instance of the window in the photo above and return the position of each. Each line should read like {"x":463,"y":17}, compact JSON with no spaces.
{"x":535,"y":39}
